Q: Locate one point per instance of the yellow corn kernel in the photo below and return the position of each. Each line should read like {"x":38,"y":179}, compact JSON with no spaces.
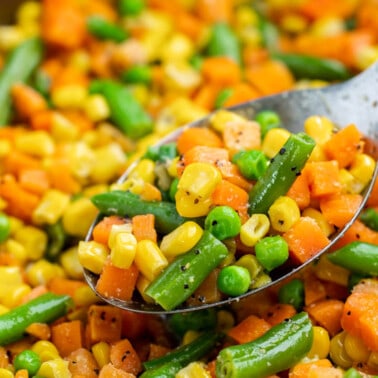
{"x":337,"y":351}
{"x":92,"y":190}
{"x":362,"y":169}
{"x":46,"y":350}
{"x":70,"y":96}
{"x":273,"y":141}
{"x":11,"y":278}
{"x":283,"y":213}
{"x":327,"y":271}
{"x":372,"y":361}
{"x":55,"y":368}
{"x":184,"y":111}
{"x":294,"y":23}
{"x":178,"y":47}
{"x":85,"y":296}
{"x":82,"y":158}
{"x":116,"y":229}
{"x":193,"y":370}
{"x":172,"y":167}
{"x":190,"y":206}
{"x":110,"y":161}
{"x":366,"y":56}
{"x":355,"y":348}
{"x":15,"y":224}
{"x":261,"y":279}
{"x":190,"y":336}
{"x":255,"y":228}
{"x":42,"y":271}
{"x":320,"y":343}
{"x":17,"y":250}
{"x":15,"y":296}
{"x":5,"y":373}
{"x":180,"y":76}
{"x":37,"y":143}
{"x":181,"y":240}
{"x":28,"y":11}
{"x":250,"y":262}
{"x":225,"y":320}
{"x":320,"y":128}
{"x":348,"y":182}
{"x":34,"y":241}
{"x":62,"y":129}
{"x":101,"y":353}
{"x":92,"y":255}
{"x":78,"y":217}
{"x":5,"y":148}
{"x":10,"y":37}
{"x":79,"y":313}
{"x":317,"y":154}
{"x":69,"y":261}
{"x":220,"y":119}
{"x":3,"y":309}
{"x":3,"y":204}
{"x":122,"y":253}
{"x":144,"y":170}
{"x":81,"y":60}
{"x":96,"y":108}
{"x":315,"y":214}
{"x":327,"y":26}
{"x":149,"y":259}
{"x":141,"y":285}
{"x":51,"y":207}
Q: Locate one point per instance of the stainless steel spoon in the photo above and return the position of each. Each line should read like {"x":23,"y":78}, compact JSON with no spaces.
{"x":354,"y":101}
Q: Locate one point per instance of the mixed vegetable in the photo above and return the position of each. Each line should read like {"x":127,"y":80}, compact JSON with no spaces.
{"x":86,"y":88}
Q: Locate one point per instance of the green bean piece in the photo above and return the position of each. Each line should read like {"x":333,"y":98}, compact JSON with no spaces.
{"x":269,"y":34}
{"x":125,"y":111}
{"x":267,"y":119}
{"x":358,"y":257}
{"x":222,"y":97}
{"x":369,"y":217}
{"x":29,"y":360}
{"x":252,"y":164}
{"x":104,"y":29}
{"x":311,"y":67}
{"x":5,"y":227}
{"x":127,"y":204}
{"x":56,"y":240}
{"x":223,"y":222}
{"x":292,"y":293}
{"x":354,"y":279}
{"x":178,"y":281}
{"x":278,"y":349}
{"x":43,"y":309}
{"x":271,"y":251}
{"x":223,"y":42}
{"x":167,"y":370}
{"x":18,"y":67}
{"x":281,"y":172}
{"x":131,"y":7}
{"x":173,"y":189}
{"x":187,"y":353}
{"x":234,"y":280}
{"x":352,"y":373}
{"x":138,"y":74}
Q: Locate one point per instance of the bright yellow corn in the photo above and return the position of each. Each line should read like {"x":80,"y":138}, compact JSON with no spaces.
{"x":42,"y":271}
{"x":294,"y":23}
{"x":80,"y":59}
{"x":14,"y":297}
{"x":327,"y":271}
{"x":180,"y":76}
{"x":141,"y":285}
{"x":82,"y":158}
{"x":5,"y":148}
{"x":261,"y":279}
{"x":320,"y":343}
{"x":92,"y":255}
{"x":172,"y":167}
{"x":144,"y":170}
{"x":327,"y":26}
{"x":70,"y":96}
{"x":96,"y":107}
{"x":78,"y":217}
{"x":34,"y":241}
{"x":362,"y":169}
{"x":193,"y":370}
{"x":3,"y":309}
{"x":16,"y":249}
{"x":123,"y":250}
{"x":225,"y":320}
{"x":189,"y":336}
{"x":255,"y":228}
{"x":273,"y":141}
{"x":181,"y":240}
{"x":366,"y":56}
{"x":337,"y":351}
{"x":10,"y":37}
{"x":315,"y":214}
{"x":250,"y":262}
{"x":28,"y":11}
{"x":55,"y":368}
{"x":348,"y":182}
{"x":69,"y":261}
{"x":37,"y":143}
{"x":116,"y":229}
{"x":283,"y":213}
{"x":85,"y":296}
{"x":320,"y":128}
{"x":101,"y":353}
{"x":149,"y":259}
{"x":62,"y":129}
{"x":178,"y":48}
{"x":356,"y":348}
{"x":51,"y":207}
{"x":11,"y":278}
{"x":190,"y":206}
{"x":220,"y":119}
{"x":5,"y":373}
{"x":184,"y":111}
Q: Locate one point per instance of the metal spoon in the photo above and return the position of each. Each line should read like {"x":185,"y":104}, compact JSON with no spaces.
{"x":354,"y":101}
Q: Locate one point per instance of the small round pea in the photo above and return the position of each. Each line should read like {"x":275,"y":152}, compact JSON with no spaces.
{"x":234,"y":280}
{"x":223,"y":222}
{"x":173,"y":189}
{"x":292,"y":293}
{"x":252,"y":164}
{"x":267,"y":119}
{"x":29,"y":360}
{"x":131,"y":7}
{"x":271,"y":251}
{"x":4,"y":227}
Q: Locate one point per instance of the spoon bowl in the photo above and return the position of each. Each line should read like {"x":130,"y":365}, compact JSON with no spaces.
{"x":353,"y":101}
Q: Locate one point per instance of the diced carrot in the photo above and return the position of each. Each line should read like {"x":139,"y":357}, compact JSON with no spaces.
{"x":42,"y":120}
{"x":34,"y":293}
{"x":189,"y":24}
{"x":34,"y":180}
{"x":305,"y":238}
{"x":124,"y":356}
{"x":277,"y":313}
{"x":101,"y":230}
{"x":79,"y":119}
{"x":104,"y":323}
{"x":68,"y":336}
{"x":343,"y":145}
{"x":18,"y":161}
{"x":326,"y":372}
{"x":100,"y":8}
{"x":21,"y":373}
{"x":69,"y":75}
{"x":373,"y":198}
{"x":82,"y":362}
{"x":213,"y":69}
{"x":339,"y":209}
{"x":27,"y":100}
{"x":314,"y":289}
{"x":197,"y":136}
{"x":322,"y":177}
{"x":303,"y":369}
{"x":4,"y":358}
{"x":206,"y":95}
{"x":144,"y":227}
{"x":231,"y":173}
{"x":110,"y":371}
{"x":205,"y":154}
{"x":116,"y":282}
{"x":241,"y":92}
{"x":61,"y":177}
{"x":41,"y":331}
{"x":327,"y":313}
{"x":269,"y":77}
{"x":214,"y":10}
{"x":63,"y":285}
{"x":242,"y":135}
{"x":228,"y":194}
{"x":157,"y":350}
{"x":134,"y":324}
{"x":249,"y":329}
{"x":300,"y":191}
{"x":315,"y":9}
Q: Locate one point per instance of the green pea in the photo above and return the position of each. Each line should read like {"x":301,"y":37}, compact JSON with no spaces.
{"x":131,"y":7}
{"x":138,"y":74}
{"x":352,"y":373}
{"x":29,"y":360}
{"x":292,"y":293}
{"x":267,"y":120}
{"x":234,"y":280}
{"x":252,"y":164}
{"x":271,"y":251}
{"x":223,"y":222}
{"x":222,"y":97}
{"x":4,"y":227}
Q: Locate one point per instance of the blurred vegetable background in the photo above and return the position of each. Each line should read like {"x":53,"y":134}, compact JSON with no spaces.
{"x":86,"y":86}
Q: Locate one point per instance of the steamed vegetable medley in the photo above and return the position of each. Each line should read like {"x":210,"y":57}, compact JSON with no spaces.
{"x":86,"y":86}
